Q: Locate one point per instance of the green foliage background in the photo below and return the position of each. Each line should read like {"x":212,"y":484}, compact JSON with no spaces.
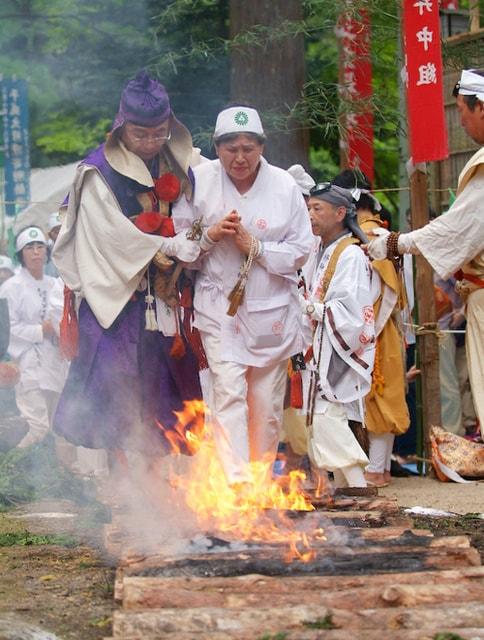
{"x":78,"y":54}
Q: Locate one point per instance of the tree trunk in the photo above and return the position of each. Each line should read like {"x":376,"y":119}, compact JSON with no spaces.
{"x":268,"y":71}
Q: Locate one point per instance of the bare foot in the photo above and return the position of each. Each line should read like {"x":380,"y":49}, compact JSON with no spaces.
{"x":375,"y":479}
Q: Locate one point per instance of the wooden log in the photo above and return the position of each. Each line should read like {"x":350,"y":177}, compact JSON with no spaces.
{"x":336,"y":538}
{"x":386,"y":533}
{"x":257,"y":622}
{"x":386,"y":505}
{"x":352,"y":519}
{"x":337,"y":634}
{"x":145,"y":593}
{"x":257,"y":582}
{"x":123,"y":573}
{"x":356,"y":491}
{"x":254,"y":583}
{"x":340,"y":561}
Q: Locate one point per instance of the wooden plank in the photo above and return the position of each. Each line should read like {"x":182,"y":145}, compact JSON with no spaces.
{"x":339,"y":561}
{"x":143,"y":593}
{"x":384,"y":504}
{"x":337,"y":634}
{"x":257,"y":622}
{"x":384,"y":533}
{"x":266,"y":584}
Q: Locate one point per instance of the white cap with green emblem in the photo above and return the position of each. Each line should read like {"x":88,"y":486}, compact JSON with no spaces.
{"x":238,"y":120}
{"x":31,"y":234}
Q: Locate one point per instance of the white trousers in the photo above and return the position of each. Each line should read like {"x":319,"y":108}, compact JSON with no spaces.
{"x":475,"y":351}
{"x":381,"y":446}
{"x":246,"y":405}
{"x":333,"y":447}
{"x":37,"y":406}
{"x":468,"y":412}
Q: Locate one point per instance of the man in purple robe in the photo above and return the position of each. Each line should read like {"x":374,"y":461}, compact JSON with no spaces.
{"x":133,"y":369}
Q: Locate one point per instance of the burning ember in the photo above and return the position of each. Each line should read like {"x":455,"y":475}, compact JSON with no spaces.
{"x":258,"y":511}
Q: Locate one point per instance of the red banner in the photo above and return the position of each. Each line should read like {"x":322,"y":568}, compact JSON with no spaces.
{"x":425,"y":101}
{"x":355,"y":88}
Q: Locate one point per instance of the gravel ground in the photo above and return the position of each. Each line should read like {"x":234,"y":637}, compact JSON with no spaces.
{"x":431,"y":493}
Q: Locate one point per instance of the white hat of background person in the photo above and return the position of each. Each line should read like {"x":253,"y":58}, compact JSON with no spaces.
{"x":302,"y":178}
{"x":471,"y":84}
{"x":54,"y":220}
{"x":6,"y":263}
{"x":238,"y":120}
{"x":31,"y":234}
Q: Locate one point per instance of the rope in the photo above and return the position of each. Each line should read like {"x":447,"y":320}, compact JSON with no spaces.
{"x":25,"y":202}
{"x":374,"y":190}
{"x":431,"y":328}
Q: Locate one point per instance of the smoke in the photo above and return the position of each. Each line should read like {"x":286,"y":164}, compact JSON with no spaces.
{"x":149,"y":514}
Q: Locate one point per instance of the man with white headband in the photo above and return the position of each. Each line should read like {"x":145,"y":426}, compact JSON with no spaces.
{"x":34,"y":332}
{"x":256,"y":235}
{"x":453,"y":243}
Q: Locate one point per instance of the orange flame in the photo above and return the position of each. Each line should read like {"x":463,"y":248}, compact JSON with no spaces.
{"x":255,"y":511}
{"x":187,"y":434}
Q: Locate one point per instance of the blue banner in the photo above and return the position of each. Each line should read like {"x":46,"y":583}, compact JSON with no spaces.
{"x":15,"y":119}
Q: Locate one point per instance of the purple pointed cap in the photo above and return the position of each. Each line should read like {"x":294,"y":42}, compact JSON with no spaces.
{"x":143,"y":101}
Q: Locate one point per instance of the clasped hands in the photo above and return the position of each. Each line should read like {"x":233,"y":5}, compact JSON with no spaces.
{"x":231,"y":227}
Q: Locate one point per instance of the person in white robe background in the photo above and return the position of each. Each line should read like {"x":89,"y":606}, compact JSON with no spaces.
{"x":339,"y":306}
{"x":54,"y":226}
{"x":255,"y":223}
{"x":33,"y":344}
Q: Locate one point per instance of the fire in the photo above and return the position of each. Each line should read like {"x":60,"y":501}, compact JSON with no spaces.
{"x":188,"y":432}
{"x":255,"y":511}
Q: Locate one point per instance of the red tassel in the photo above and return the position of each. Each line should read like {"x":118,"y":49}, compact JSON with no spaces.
{"x":194,"y":339}
{"x":197,"y":347}
{"x":177,"y":350}
{"x":296,"y":390}
{"x":186,"y":300}
{"x":69,"y":328}
{"x":149,"y":221}
{"x":167,"y":187}
{"x":167,"y":228}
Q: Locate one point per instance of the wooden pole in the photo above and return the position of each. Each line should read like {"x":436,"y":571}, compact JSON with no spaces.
{"x":474,"y":16}
{"x":427,"y":343}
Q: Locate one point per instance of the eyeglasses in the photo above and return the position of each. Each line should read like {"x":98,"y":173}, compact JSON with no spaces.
{"x":321,"y":187}
{"x":148,"y":138}
{"x":455,"y":90}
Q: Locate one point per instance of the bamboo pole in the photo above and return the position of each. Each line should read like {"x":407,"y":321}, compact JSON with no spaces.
{"x":474,"y":16}
{"x":427,"y":342}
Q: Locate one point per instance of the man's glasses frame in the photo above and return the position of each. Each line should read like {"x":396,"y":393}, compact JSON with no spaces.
{"x":150,"y":138}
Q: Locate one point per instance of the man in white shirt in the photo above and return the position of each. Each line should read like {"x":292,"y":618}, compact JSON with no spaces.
{"x":256,"y":235}
{"x":453,"y":243}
